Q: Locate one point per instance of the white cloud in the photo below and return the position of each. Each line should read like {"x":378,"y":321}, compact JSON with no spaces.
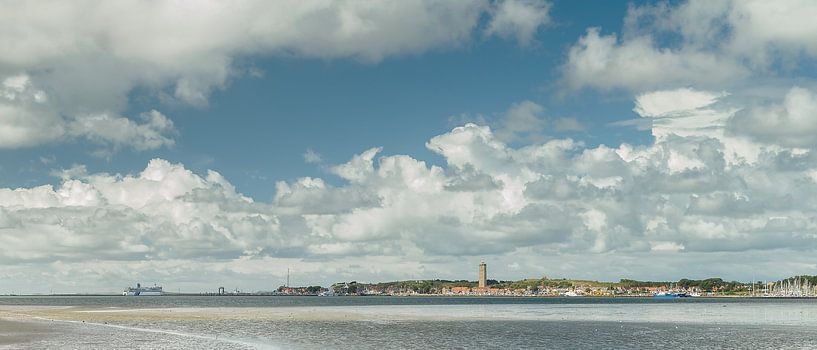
{"x":673,"y":102}
{"x":524,"y":122}
{"x":666,"y":246}
{"x":58,"y":81}
{"x":24,"y":118}
{"x":519,"y":18}
{"x":791,"y":123}
{"x":312,"y":157}
{"x":687,"y":113}
{"x":359,"y":168}
{"x":712,"y":44}
{"x":694,"y":191}
{"x":27,"y":118}
{"x":605,"y":62}
{"x":763,"y":30}
{"x":677,"y":195}
{"x":154,"y":132}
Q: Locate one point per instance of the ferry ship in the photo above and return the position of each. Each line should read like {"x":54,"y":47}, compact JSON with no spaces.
{"x":146,"y":291}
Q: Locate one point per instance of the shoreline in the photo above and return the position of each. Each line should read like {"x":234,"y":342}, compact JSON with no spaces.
{"x":397,"y":296}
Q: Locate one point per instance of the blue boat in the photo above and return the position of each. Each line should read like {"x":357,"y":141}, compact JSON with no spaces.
{"x":669,"y":295}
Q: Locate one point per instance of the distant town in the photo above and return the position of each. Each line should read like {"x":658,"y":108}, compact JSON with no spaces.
{"x":803,"y":286}
{"x":798,"y":286}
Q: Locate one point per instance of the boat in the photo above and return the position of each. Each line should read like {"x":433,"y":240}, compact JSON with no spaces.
{"x":671,"y":295}
{"x":143,"y":291}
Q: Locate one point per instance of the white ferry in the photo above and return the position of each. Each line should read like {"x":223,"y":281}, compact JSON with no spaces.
{"x":146,"y":291}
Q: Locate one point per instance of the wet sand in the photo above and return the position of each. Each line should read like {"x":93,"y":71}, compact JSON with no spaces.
{"x":27,"y":324}
{"x":71,"y":327}
{"x":20,"y":325}
{"x":20,"y":332}
{"x":32,"y":326}
{"x":36,"y":327}
{"x":103,"y":315}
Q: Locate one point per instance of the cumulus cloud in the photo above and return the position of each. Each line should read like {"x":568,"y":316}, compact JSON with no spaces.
{"x":791,"y":123}
{"x":27,"y":118}
{"x":24,"y":118}
{"x":394,"y":216}
{"x":58,"y":83}
{"x":154,"y":132}
{"x":700,"y":191}
{"x":762,"y":30}
{"x":523,"y":122}
{"x":519,"y":18}
{"x":606,"y":62}
{"x":683,"y":112}
{"x":688,"y":112}
{"x":716,"y":43}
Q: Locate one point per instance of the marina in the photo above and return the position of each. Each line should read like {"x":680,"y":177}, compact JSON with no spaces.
{"x":789,"y":288}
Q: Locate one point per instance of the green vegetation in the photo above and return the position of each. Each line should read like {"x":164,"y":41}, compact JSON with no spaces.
{"x":534,"y":285}
{"x":706,"y":285}
{"x":812,"y":280}
{"x":311,"y":290}
{"x":537,"y":283}
{"x":711,"y":284}
{"x":417,"y":286}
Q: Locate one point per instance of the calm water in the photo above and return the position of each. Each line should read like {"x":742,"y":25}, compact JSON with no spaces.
{"x":290,"y":301}
{"x":452,"y":323}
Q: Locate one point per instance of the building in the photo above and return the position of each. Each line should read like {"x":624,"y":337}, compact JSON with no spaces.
{"x":483,"y":275}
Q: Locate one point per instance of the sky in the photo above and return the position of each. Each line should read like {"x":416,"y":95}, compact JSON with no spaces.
{"x":198,"y":144}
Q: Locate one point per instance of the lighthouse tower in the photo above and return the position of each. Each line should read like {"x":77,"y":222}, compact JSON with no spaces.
{"x":483,"y":275}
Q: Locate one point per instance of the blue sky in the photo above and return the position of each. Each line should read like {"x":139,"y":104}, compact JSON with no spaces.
{"x":339,"y":107}
{"x":201,"y":142}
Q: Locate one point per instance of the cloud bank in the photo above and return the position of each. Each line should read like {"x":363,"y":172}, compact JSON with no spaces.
{"x":692,"y":193}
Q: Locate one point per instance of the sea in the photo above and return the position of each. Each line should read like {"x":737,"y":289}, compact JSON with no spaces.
{"x":373,"y":322}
